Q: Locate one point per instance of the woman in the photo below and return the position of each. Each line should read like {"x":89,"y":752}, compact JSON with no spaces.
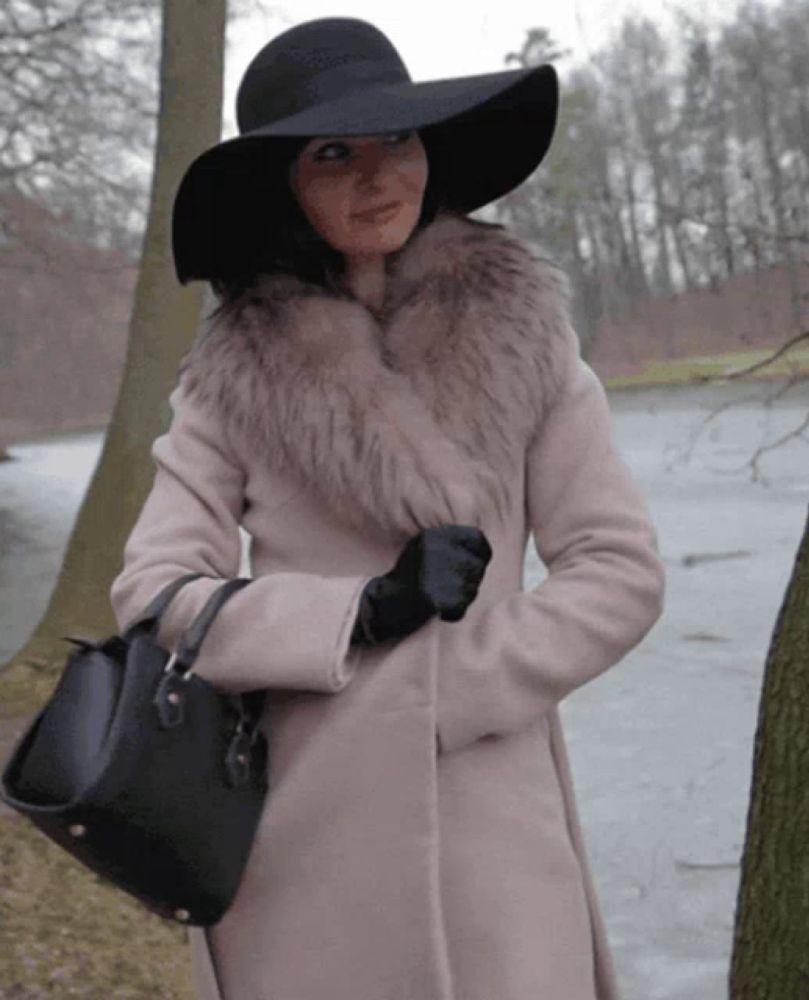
{"x":390,"y":406}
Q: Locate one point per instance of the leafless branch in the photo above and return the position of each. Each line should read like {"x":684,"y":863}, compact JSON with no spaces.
{"x":796,"y":433}
{"x":742,"y":372}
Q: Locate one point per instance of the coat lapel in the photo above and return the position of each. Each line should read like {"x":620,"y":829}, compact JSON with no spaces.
{"x":414,"y":417}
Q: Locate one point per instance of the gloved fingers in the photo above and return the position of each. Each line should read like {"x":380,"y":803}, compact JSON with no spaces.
{"x":452,"y":592}
{"x":454,"y":570}
{"x":453,"y":614}
{"x":468,"y":537}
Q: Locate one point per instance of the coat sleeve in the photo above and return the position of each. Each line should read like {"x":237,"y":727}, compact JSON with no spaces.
{"x":507,"y":664}
{"x":284,"y":629}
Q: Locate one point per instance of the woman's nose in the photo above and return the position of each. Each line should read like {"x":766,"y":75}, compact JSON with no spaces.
{"x":371,"y":166}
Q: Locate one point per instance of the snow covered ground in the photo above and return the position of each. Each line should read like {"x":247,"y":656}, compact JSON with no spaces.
{"x":661,"y":745}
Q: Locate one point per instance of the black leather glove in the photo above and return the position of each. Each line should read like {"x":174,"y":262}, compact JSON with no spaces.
{"x":438,"y":572}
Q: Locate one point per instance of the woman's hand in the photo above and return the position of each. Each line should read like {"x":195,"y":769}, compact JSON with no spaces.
{"x":438,"y":572}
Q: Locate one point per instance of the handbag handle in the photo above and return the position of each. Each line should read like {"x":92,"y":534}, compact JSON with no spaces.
{"x":249,"y":704}
{"x":147,"y":621}
{"x":188,"y":647}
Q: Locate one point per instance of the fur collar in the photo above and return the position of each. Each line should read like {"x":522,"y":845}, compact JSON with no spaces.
{"x":414,"y":417}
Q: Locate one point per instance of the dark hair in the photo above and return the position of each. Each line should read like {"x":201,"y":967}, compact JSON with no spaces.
{"x":296,"y":247}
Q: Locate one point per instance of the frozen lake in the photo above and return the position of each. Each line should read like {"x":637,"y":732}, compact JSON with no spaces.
{"x":661,"y":745}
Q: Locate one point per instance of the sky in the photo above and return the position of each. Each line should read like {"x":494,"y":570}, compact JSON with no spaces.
{"x":435,"y":42}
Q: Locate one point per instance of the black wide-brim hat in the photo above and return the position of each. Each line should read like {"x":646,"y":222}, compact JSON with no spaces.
{"x":483,"y":134}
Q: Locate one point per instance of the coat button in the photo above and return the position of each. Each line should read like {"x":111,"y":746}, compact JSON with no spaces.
{"x":77,"y":829}
{"x":182,"y":914}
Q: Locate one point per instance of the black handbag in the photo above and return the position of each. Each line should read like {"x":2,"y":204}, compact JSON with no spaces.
{"x":146,"y":773}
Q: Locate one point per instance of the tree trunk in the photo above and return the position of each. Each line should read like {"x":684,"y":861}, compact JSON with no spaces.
{"x":640,"y":281}
{"x":163,"y":322}
{"x":771,"y":939}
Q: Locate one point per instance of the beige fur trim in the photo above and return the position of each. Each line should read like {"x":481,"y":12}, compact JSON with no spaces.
{"x":414,"y":418}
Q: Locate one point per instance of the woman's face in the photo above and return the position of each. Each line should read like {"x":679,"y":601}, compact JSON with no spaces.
{"x":336,"y":179}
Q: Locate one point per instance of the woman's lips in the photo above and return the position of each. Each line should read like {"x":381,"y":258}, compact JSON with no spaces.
{"x":383,"y":212}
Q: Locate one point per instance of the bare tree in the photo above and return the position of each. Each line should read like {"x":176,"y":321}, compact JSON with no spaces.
{"x":78,"y":105}
{"x":679,"y":161}
{"x":164,"y":320}
{"x":771,"y":934}
{"x":150,"y":953}
{"x":757,"y":47}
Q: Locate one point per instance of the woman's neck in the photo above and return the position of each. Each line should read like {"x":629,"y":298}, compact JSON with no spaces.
{"x":365,"y":276}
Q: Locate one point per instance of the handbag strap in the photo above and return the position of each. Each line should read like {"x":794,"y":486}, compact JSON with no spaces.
{"x":191,"y":640}
{"x":147,"y":621}
{"x":249,"y":704}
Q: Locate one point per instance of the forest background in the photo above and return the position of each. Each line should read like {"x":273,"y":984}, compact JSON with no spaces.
{"x":674,"y":195}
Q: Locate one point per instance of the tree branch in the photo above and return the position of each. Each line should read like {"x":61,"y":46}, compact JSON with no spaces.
{"x":741,"y":372}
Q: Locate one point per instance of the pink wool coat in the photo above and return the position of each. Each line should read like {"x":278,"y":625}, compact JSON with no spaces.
{"x":420,"y":840}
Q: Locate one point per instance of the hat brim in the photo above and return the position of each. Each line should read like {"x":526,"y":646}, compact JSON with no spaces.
{"x":483,"y":135}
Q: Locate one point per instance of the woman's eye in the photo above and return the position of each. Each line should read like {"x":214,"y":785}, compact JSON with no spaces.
{"x":394,"y":139}
{"x":321,"y":153}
